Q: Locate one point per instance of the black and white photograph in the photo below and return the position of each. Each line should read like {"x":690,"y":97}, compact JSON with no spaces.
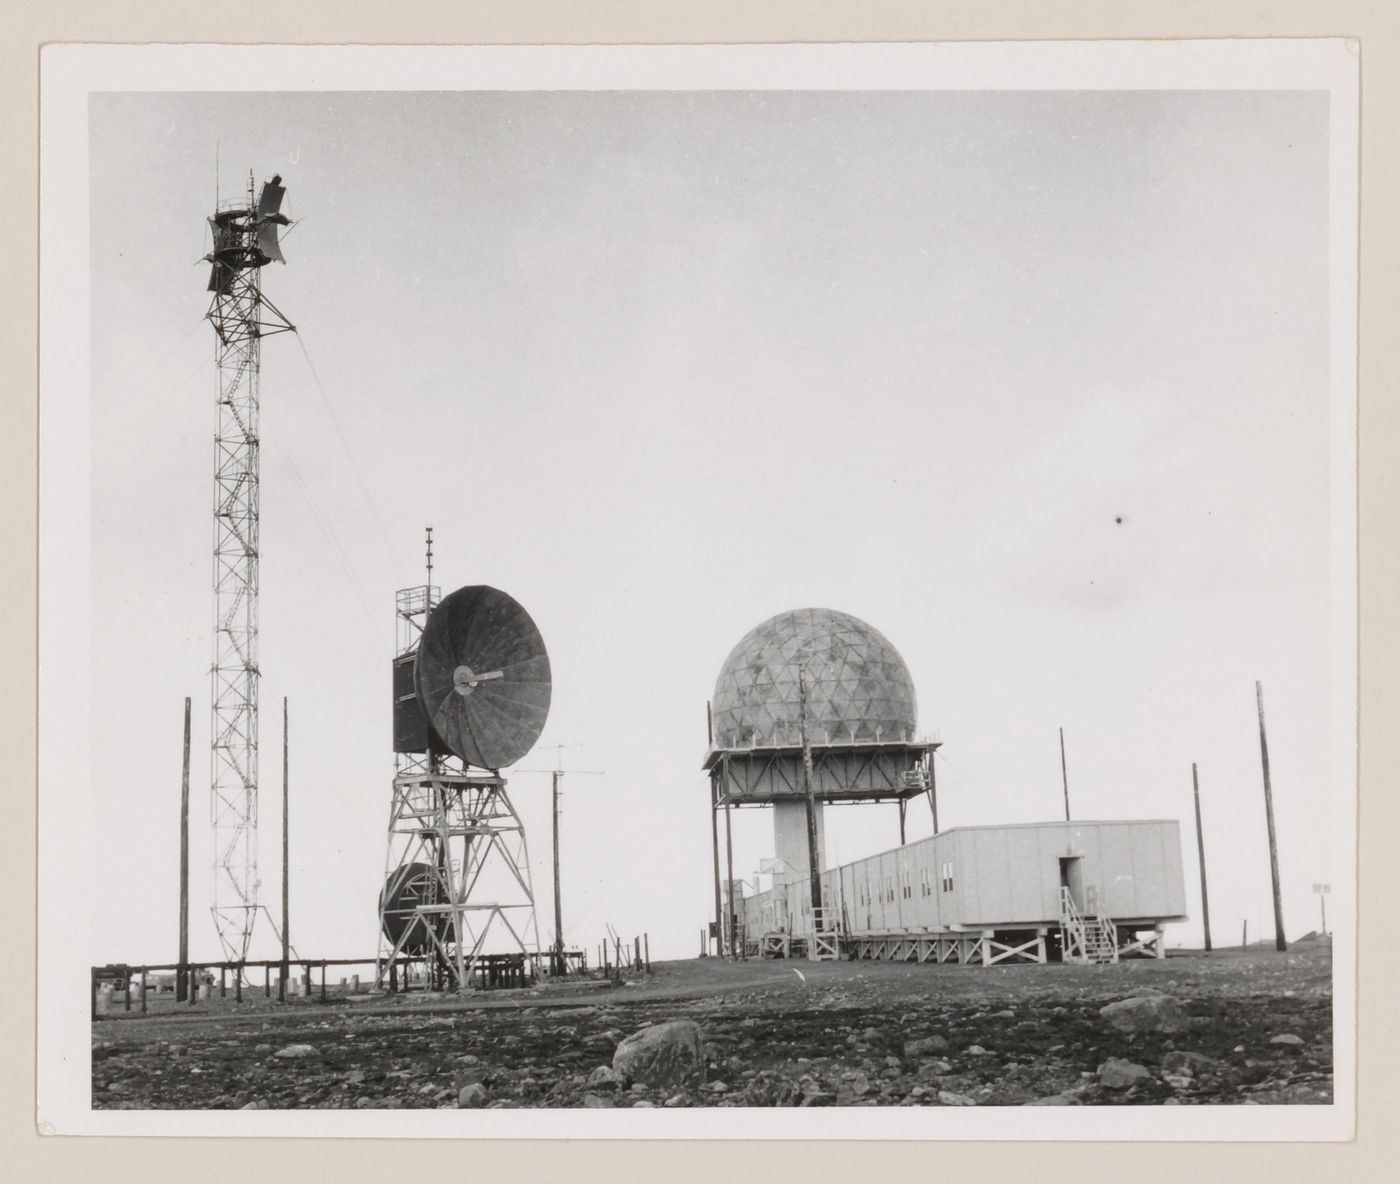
{"x":755,"y":592}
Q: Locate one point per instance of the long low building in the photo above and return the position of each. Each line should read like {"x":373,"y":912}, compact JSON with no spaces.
{"x":1080,"y":891}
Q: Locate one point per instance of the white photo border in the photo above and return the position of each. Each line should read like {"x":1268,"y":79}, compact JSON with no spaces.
{"x":69,"y":73}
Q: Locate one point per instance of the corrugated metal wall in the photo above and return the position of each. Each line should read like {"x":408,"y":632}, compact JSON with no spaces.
{"x":994,"y":876}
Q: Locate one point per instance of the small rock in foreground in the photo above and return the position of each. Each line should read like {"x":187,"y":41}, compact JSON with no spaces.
{"x":1147,"y":1013}
{"x":948,"y":1098}
{"x":662,"y":1054}
{"x":1116,"y":1073}
{"x":924,"y":1046}
{"x":606,"y":1076}
{"x":471,"y":1096}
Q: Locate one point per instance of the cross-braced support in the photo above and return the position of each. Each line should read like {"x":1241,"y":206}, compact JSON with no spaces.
{"x":458,"y":883}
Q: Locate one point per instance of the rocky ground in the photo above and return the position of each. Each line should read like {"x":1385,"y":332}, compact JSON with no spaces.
{"x":1231,"y":1028}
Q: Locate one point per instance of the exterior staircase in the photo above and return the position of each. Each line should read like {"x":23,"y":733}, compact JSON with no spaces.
{"x":824,"y":945}
{"x":1088,"y":936}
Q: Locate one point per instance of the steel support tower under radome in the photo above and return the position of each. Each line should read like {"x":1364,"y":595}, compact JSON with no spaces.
{"x":245,"y":239}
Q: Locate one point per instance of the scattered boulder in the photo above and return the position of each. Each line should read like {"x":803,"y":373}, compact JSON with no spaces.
{"x":605,"y":1076}
{"x":1187,"y":1064}
{"x":296,"y":1050}
{"x":1287,"y":1038}
{"x":662,"y":1054}
{"x":594,"y":1102}
{"x":948,"y":1098}
{"x":471,"y":1096}
{"x":924,"y":1046}
{"x":1147,"y":1013}
{"x":1116,"y":1073}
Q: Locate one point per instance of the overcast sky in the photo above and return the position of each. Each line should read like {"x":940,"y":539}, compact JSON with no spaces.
{"x":1035,"y":383}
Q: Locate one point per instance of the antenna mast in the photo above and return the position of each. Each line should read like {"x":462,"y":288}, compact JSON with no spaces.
{"x":244,"y":240}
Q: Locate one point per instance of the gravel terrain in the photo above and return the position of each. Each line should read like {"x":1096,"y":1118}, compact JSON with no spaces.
{"x":1232,"y":1028}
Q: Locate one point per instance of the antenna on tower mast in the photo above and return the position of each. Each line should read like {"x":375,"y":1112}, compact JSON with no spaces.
{"x":245,"y":239}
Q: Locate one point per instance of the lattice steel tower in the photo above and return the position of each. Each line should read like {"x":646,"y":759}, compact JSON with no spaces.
{"x":245,"y":236}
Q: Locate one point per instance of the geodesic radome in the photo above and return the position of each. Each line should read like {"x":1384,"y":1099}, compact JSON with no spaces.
{"x":858,"y":687}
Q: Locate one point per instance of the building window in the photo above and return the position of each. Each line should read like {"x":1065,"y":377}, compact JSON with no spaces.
{"x":947,"y":877}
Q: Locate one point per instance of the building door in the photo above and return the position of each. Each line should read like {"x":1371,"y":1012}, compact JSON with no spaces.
{"x":1072,"y":877}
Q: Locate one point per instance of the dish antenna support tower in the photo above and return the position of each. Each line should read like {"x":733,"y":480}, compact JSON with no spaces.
{"x":245,"y":239}
{"x":471,"y":694}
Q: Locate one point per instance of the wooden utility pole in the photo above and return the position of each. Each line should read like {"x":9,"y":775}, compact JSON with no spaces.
{"x":286,"y":861}
{"x":1280,"y":942}
{"x":558,"y":963}
{"x":558,"y":959}
{"x":714,"y":832}
{"x":814,"y":865}
{"x":1201,"y":855}
{"x":182,"y":975}
{"x":1064,"y":772}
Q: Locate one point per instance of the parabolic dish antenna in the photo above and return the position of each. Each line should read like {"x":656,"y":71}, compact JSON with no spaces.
{"x":482,"y":676}
{"x":404,"y":890}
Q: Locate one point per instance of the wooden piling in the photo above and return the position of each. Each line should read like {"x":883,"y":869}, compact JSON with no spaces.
{"x":719,"y":907}
{"x":729,"y":883}
{"x":933,"y":787}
